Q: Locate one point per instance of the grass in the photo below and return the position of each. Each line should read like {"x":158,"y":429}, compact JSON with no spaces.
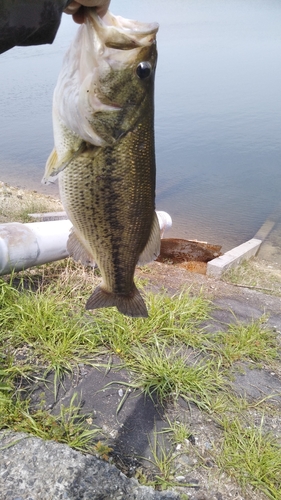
{"x":168,"y":373}
{"x":69,"y":427}
{"x":171,"y":319}
{"x":180,"y":431}
{"x":251,"y":274}
{"x":163,"y":461}
{"x":52,"y":336}
{"x":244,"y":342}
{"x":22,"y":214}
{"x":252,"y":456}
{"x":44,"y":328}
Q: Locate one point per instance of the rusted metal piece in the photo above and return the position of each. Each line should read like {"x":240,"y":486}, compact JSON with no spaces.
{"x":190,"y":254}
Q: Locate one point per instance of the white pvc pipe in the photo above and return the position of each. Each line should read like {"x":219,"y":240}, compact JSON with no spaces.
{"x":27,"y":245}
{"x":36,"y":243}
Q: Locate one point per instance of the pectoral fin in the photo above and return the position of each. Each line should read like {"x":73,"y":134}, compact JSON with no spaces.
{"x":78,"y":251}
{"x":55,"y":165}
{"x":152,"y":248}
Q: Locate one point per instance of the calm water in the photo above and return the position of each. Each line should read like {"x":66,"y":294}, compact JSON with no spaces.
{"x":218,"y":112}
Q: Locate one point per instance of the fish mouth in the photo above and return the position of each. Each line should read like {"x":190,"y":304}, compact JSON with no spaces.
{"x":130,"y":25}
{"x":119,"y":32}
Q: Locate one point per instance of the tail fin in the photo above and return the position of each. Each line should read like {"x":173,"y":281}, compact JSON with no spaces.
{"x":130,"y":305}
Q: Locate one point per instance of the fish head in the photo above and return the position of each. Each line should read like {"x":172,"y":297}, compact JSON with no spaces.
{"x":107,"y":81}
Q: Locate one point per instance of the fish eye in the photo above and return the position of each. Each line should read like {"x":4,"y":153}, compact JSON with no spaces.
{"x":143,"y":70}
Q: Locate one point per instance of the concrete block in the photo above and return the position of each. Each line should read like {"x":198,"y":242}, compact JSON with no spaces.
{"x":265,"y":230}
{"x":49,"y":216}
{"x":233,"y":257}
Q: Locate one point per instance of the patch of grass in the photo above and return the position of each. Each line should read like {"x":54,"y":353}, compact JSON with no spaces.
{"x":168,"y":373}
{"x":244,"y":273}
{"x":44,"y":327}
{"x":252,"y":274}
{"x":179,"y":430}
{"x":252,"y":457}
{"x":242,"y":342}
{"x":171,"y":319}
{"x":5,"y":386}
{"x":227,"y":403}
{"x":8,"y":295}
{"x":164,"y":461}
{"x":16,"y":204}
{"x":69,"y":280}
{"x":68,"y":427}
{"x":32,"y":208}
{"x":44,"y":324}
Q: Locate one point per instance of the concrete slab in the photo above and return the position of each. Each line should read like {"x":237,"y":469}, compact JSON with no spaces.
{"x":233,"y":257}
{"x":256,"y":384}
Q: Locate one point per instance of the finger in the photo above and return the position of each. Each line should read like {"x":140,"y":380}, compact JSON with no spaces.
{"x":79,"y":16}
{"x":101,"y":11}
{"x":101,"y":5}
{"x":72,"y":8}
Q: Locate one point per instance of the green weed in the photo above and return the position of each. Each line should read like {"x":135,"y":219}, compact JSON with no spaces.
{"x":68,"y":427}
{"x":179,"y":430}
{"x":241,"y":342}
{"x":168,"y":373}
{"x":252,"y":456}
{"x":171,"y":319}
{"x":43,"y":323}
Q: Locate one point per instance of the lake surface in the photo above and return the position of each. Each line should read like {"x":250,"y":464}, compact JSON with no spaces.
{"x":218,"y":112}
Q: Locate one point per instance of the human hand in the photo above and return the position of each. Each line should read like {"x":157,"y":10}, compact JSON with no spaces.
{"x":75,"y":8}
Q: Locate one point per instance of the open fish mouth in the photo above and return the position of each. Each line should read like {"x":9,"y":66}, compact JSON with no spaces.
{"x":138,"y":32}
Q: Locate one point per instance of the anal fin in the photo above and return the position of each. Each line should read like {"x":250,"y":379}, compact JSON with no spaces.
{"x":78,"y":251}
{"x":152,"y":248}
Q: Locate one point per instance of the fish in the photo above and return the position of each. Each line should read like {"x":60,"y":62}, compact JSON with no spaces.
{"x":104,"y":154}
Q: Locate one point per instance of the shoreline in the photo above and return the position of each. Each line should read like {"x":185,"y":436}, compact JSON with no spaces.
{"x":15,"y":201}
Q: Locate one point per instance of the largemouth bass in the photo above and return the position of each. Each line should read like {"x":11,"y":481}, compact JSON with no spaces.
{"x":103,"y":119}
